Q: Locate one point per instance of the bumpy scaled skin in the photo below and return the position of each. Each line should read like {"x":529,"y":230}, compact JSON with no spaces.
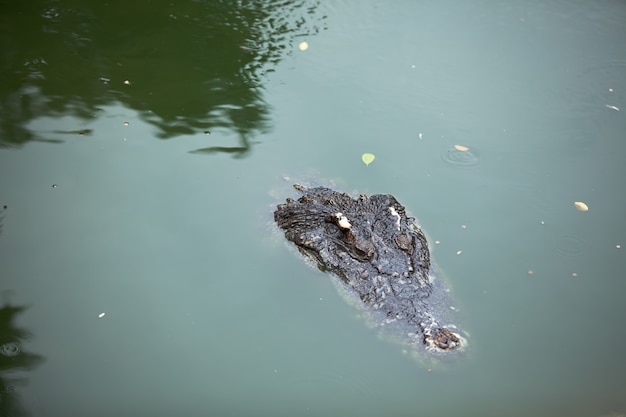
{"x":371,"y":245}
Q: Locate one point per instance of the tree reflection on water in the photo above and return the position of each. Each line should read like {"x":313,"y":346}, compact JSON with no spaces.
{"x":13,"y":359}
{"x":187,"y":67}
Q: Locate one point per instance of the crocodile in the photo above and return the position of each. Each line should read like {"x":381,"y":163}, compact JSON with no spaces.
{"x":379,"y":254}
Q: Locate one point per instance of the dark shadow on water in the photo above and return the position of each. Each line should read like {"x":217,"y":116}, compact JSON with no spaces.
{"x":186,"y":67}
{"x":13,"y":360}
{"x":3,"y":208}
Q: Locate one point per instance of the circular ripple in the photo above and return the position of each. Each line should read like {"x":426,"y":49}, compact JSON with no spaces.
{"x":10,"y":349}
{"x":461,"y":159}
{"x":570,"y":245}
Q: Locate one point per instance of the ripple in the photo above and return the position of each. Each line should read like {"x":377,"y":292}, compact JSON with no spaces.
{"x":10,"y":349}
{"x":570,"y":245}
{"x":50,"y":13}
{"x":598,"y":86}
{"x":570,"y":103}
{"x":461,"y":158}
{"x":590,"y":97}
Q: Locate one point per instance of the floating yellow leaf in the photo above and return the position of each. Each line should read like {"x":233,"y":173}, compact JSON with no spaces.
{"x":368,"y":158}
{"x":580,"y":206}
{"x":461,"y":148}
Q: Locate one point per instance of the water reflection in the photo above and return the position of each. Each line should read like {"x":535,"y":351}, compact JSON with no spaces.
{"x":186,"y":67}
{"x":3,"y":208}
{"x":12,"y":360}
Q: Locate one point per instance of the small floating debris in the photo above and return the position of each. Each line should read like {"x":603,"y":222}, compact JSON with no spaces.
{"x":303,"y":46}
{"x":459,"y":252}
{"x":101,"y":315}
{"x":612,"y":107}
{"x":580,"y":206}
{"x":368,"y":158}
{"x":461,"y":148}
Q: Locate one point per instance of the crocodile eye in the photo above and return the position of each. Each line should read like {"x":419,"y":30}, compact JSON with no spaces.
{"x":364,"y":247}
{"x":404,"y":242}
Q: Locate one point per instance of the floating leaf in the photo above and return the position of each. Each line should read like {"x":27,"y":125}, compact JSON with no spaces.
{"x":580,"y":206}
{"x":368,"y":158}
{"x":461,"y":148}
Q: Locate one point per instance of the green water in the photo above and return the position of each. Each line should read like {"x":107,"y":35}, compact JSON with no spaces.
{"x":144,"y":144}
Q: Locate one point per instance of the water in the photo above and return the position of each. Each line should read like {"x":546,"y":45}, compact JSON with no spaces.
{"x":144,"y":145}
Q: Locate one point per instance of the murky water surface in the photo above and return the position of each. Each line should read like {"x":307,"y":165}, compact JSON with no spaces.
{"x":144,"y":144}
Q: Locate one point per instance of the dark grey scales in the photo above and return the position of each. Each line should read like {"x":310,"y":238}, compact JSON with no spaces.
{"x":379,"y":252}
